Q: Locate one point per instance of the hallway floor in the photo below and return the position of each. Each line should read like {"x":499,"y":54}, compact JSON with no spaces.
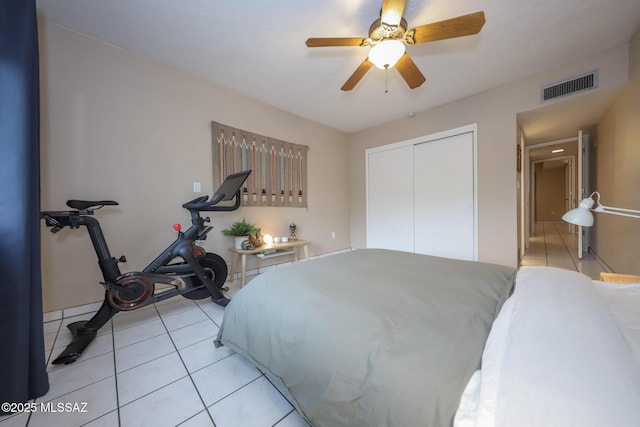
{"x":553,"y":246}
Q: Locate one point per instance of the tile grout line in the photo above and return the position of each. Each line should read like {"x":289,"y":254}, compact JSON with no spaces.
{"x":62,"y":367}
{"x":546,"y":253}
{"x":115,"y":371}
{"x":152,"y":391}
{"x":285,"y":398}
{"x":115,"y":379}
{"x":207,"y":314}
{"x":566,"y":247}
{"x":262,"y":375}
{"x":188,"y":373}
{"x":53,"y":345}
{"x":285,"y":416}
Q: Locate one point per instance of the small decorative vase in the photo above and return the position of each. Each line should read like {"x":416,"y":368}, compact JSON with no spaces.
{"x":238,"y":241}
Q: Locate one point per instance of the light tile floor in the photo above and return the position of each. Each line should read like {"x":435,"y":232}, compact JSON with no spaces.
{"x":157,"y":366}
{"x":553,"y":246}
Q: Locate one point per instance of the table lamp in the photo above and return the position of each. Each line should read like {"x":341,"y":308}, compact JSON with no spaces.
{"x":582,"y":214}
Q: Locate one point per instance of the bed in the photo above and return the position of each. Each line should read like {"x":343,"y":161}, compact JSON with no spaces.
{"x":375,"y":337}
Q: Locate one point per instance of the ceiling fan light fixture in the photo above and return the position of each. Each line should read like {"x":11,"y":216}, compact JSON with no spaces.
{"x":387,"y":38}
{"x":385,"y":54}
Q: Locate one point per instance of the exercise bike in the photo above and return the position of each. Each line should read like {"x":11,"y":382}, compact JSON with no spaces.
{"x":184,"y":267}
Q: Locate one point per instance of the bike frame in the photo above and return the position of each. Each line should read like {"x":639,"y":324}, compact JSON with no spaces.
{"x":181,"y":247}
{"x":163,"y":269}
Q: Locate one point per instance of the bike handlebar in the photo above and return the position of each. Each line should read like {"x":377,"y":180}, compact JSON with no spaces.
{"x":195,"y":202}
{"x":201,"y":204}
{"x":228,"y":190}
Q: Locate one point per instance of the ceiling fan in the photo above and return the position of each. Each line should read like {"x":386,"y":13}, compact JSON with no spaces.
{"x":388,"y":36}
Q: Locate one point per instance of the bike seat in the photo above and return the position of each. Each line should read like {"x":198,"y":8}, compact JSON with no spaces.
{"x":87,"y":204}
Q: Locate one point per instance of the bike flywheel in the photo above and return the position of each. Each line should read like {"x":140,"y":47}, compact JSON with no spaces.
{"x":133,"y":291}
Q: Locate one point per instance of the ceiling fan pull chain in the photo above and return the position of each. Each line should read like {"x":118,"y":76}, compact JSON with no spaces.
{"x":386,"y":79}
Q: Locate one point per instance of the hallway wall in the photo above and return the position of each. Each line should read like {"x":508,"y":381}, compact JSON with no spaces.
{"x":618,"y":174}
{"x":550,"y":194}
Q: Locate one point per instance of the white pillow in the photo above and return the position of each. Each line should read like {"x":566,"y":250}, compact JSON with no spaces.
{"x":557,"y":358}
{"x":624,"y":303}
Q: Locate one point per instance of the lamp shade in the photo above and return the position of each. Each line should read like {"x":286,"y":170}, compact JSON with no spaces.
{"x":582,"y":214}
{"x":386,"y":53}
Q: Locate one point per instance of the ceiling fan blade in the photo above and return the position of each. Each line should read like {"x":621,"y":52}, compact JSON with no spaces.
{"x":392,"y":11}
{"x":465,"y":25}
{"x":410,"y":72}
{"x":334,"y":41}
{"x":357,"y":75}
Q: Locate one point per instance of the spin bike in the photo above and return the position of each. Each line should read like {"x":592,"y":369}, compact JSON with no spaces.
{"x":184,"y":266}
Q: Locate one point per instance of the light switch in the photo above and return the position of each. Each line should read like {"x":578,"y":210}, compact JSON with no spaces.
{"x":196,"y":187}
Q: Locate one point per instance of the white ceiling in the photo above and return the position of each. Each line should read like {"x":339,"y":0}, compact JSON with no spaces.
{"x":257,"y":47}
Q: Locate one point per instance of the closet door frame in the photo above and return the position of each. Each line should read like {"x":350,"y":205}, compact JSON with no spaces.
{"x":473,"y":129}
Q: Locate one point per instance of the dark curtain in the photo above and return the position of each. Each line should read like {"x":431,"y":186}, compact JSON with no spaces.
{"x":23,"y":373}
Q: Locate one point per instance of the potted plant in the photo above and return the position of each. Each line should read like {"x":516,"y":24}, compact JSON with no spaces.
{"x":241,"y":230}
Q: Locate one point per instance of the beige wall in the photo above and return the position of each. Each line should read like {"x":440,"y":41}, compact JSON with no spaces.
{"x":617,"y":239}
{"x":117,"y":126}
{"x":550,"y":194}
{"x":495,"y":113}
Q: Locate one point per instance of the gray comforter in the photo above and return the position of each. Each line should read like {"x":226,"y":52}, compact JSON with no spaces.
{"x":370,"y":337}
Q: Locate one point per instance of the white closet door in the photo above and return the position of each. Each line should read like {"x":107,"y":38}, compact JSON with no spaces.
{"x":390,"y":199}
{"x":445,"y":197}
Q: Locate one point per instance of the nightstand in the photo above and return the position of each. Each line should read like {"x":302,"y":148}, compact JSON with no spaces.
{"x":619,"y":278}
{"x":267,"y":251}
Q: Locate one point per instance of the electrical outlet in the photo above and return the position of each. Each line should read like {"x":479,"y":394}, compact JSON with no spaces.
{"x":196,"y":187}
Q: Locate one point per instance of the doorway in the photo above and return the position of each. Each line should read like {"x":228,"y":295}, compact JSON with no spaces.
{"x":559,"y":159}
{"x":557,"y":166}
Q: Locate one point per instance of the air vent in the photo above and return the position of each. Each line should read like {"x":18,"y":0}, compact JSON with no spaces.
{"x":569,"y":87}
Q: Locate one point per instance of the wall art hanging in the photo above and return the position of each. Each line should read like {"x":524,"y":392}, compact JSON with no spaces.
{"x":279,"y":168}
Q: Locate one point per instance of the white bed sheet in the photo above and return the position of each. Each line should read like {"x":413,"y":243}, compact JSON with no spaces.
{"x":557,"y":356}
{"x":624,"y":303}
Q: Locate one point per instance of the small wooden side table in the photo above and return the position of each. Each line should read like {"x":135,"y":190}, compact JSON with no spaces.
{"x":266,"y":251}
{"x":619,"y":278}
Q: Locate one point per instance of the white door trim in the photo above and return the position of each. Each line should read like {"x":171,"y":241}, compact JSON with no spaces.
{"x":528,"y":174}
